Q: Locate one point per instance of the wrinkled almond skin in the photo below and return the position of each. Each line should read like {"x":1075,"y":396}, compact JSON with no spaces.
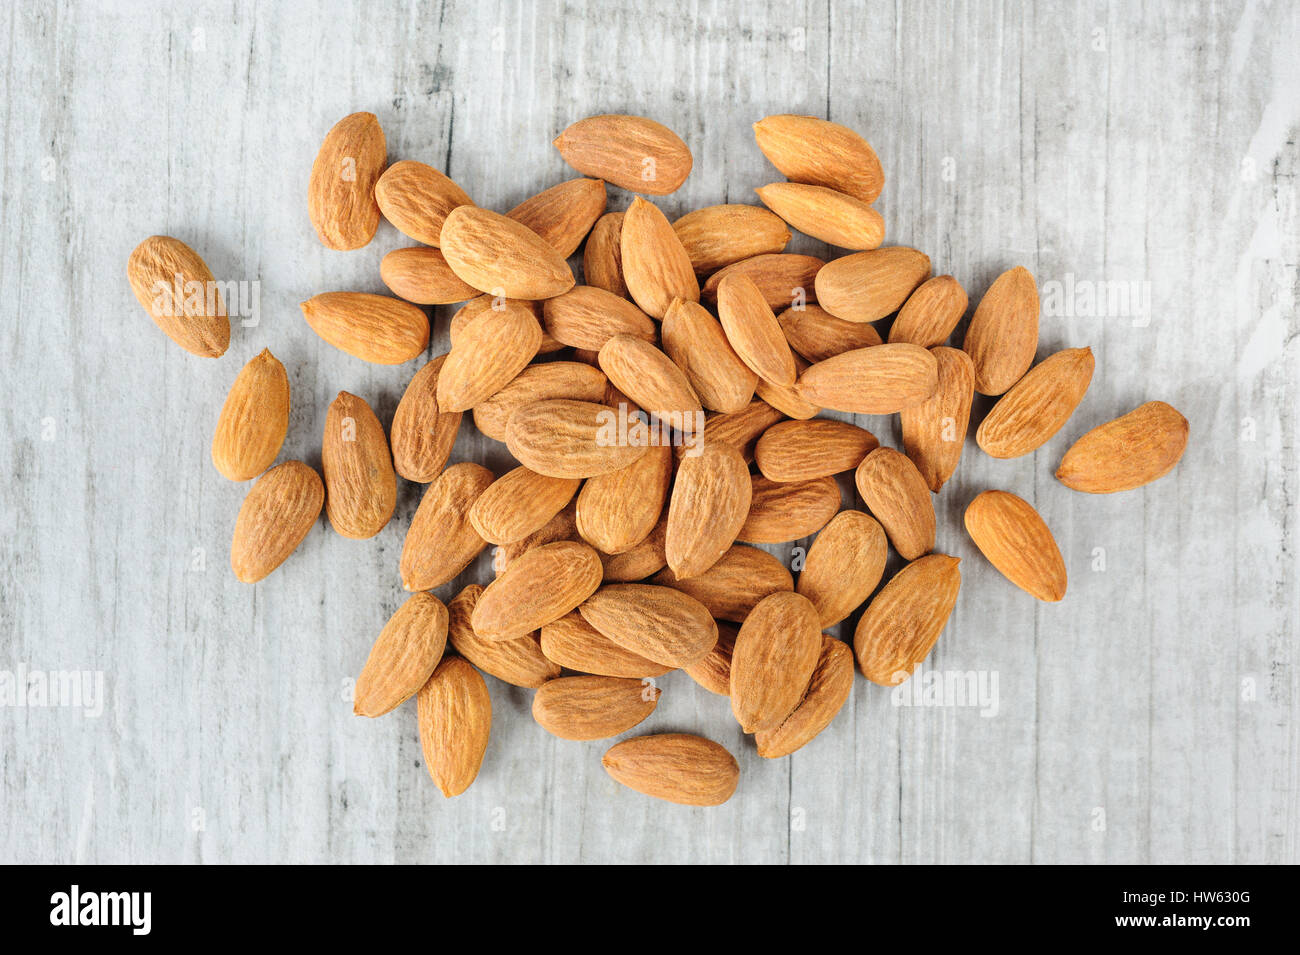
{"x":563,"y":214}
{"x":422,"y":434}
{"x":416,"y":198}
{"x":930,"y":313}
{"x":455,"y":715}
{"x":802,"y":450}
{"x":1016,"y":540}
{"x":843,"y":565}
{"x":498,"y":255}
{"x":741,"y":429}
{"x":358,"y":469}
{"x":572,"y":642}
{"x":717,"y":236}
{"x":900,"y":626}
{"x":884,"y":379}
{"x":195,"y":320}
{"x":552,"y":379}
{"x":421,"y":275}
{"x":894,"y":491}
{"x":828,"y":691}
{"x":735,"y":583}
{"x":403,"y":657}
{"x":441,"y":542}
{"x":714,"y":671}
{"x":785,"y":279}
{"x":833,"y":217}
{"x":649,"y":377}
{"x":675,"y":767}
{"x":781,"y":512}
{"x":934,"y":431}
{"x":788,"y":399}
{"x":618,"y":510}
{"x":540,"y":586}
{"x":697,"y":344}
{"x":561,"y":527}
{"x":253,"y":421}
{"x":274,"y":518}
{"x":1003,"y":333}
{"x":646,"y":558}
{"x":519,"y":662}
{"x":602,"y":256}
{"x":341,"y":191}
{"x":519,"y":503}
{"x":821,"y":153}
{"x":709,"y":505}
{"x":1038,"y":405}
{"x":753,"y":331}
{"x":867,"y":286}
{"x":593,"y":707}
{"x":587,"y":317}
{"x":774,"y":658}
{"x":816,"y":334}
{"x":574,"y":439}
{"x":632,"y":152}
{"x":1129,"y":452}
{"x":495,"y":347}
{"x":658,"y":623}
{"x":656,"y":268}
{"x":374,"y":328}
{"x":463,"y":316}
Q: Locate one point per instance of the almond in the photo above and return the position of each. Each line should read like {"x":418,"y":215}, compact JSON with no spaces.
{"x":787,"y":512}
{"x":656,"y":267}
{"x":1038,"y":405}
{"x":822,"y":153}
{"x":587,"y":317}
{"x":787,"y":399}
{"x":709,"y":505}
{"x":827,"y":692}
{"x":642,"y":560}
{"x":753,"y":330}
{"x":374,"y":328}
{"x":421,"y":275}
{"x":602,"y":258}
{"x":403,"y":658}
{"x":867,"y":286}
{"x":422,"y":434}
{"x":561,"y":527}
{"x":416,"y":198}
{"x":1009,"y":532}
{"x":774,"y":658}
{"x":632,"y":152}
{"x":901,"y":625}
{"x":494,"y":348}
{"x":801,"y":450}
{"x":898,"y":496}
{"x":674,"y":767}
{"x":358,"y":469}
{"x":455,"y":713}
{"x":833,"y":217}
{"x":441,"y":542}
{"x":934,"y":431}
{"x":563,"y":214}
{"x":274,"y":518}
{"x":658,"y":623}
{"x":618,"y":510}
{"x":499,"y":255}
{"x":930,"y":314}
{"x":884,"y":379}
{"x":740,"y":429}
{"x":735,"y":583}
{"x":816,"y":334}
{"x":649,"y":377}
{"x":341,"y":192}
{"x":254,"y":420}
{"x":177,"y":289}
{"x":1126,"y":453}
{"x":843,"y":565}
{"x":554,"y":379}
{"x":714,"y":671}
{"x":593,"y":707}
{"x":540,"y":586}
{"x":784,"y":279}
{"x":518,"y":503}
{"x":519,"y":662}
{"x":574,"y":439}
{"x":697,"y":344}
{"x":572,"y":642}
{"x":716,"y":236}
{"x":1003,"y":333}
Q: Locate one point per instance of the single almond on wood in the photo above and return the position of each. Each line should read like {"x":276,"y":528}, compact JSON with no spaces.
{"x":753,"y":331}
{"x":822,"y":153}
{"x":422,"y":433}
{"x":867,"y":286}
{"x":934,"y":431}
{"x":656,"y":267}
{"x":658,"y":623}
{"x":575,"y":439}
{"x":602,"y":256}
{"x":1010,"y":533}
{"x":374,"y":328}
{"x":843,"y":565}
{"x":491,"y":351}
{"x":883,"y":379}
{"x":341,"y":192}
{"x":735,"y":583}
{"x":455,"y":714}
{"x":573,"y":643}
{"x":632,"y":152}
{"x":518,"y":503}
{"x":421,"y":275}
{"x":828,"y":691}
{"x":930,"y":313}
{"x":177,"y":289}
{"x":780,"y":512}
{"x":1038,"y":405}
{"x":816,"y":334}
{"x":552,"y":379}
{"x":587,"y":317}
{"x":593,"y":707}
{"x":403,"y":658}
{"x":416,"y":198}
{"x":649,"y":377}
{"x":833,"y":217}
{"x":1126,"y":453}
{"x":898,"y":496}
{"x":274,"y":518}
{"x":674,"y":767}
{"x":1003,"y":333}
{"x":519,"y":662}
{"x":785,"y":279}
{"x":901,"y":625}
{"x":709,"y":505}
{"x":253,"y":421}
{"x":697,"y":344}
{"x":358,"y":469}
{"x":801,"y":450}
{"x":774,"y":658}
{"x":499,"y":255}
{"x":563,"y":214}
{"x":540,"y":586}
{"x":714,"y":671}
{"x":441,"y":542}
{"x":618,"y":510}
{"x":716,"y":236}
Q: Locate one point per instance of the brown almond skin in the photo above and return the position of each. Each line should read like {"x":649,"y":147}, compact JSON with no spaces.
{"x":475,"y":307}
{"x":602,"y":256}
{"x":1129,"y":452}
{"x":717,"y":236}
{"x":898,"y":496}
{"x":519,"y":503}
{"x":618,"y":510}
{"x":441,"y":542}
{"x":843,"y":565}
{"x":587,"y":317}
{"x":641,"y":561}
{"x":574,"y":439}
{"x":403,"y":657}
{"x":828,"y":691}
{"x":802,"y":450}
{"x":930,"y":313}
{"x":902,"y":623}
{"x":785,"y":279}
{"x":498,"y":255}
{"x":816,"y":334}
{"x":573,"y":643}
{"x":697,"y":344}
{"x":540,"y":586}
{"x":833,"y":217}
{"x":593,"y":707}
{"x":1016,"y":540}
{"x":416,"y":198}
{"x":422,"y":434}
{"x":374,"y":328}
{"x":884,"y":379}
{"x":788,"y":399}
{"x":867,"y":286}
{"x":561,"y":527}
{"x":934,"y":431}
{"x":736,"y":582}
{"x":1003,"y":333}
{"x":774,"y":658}
{"x":632,"y":152}
{"x":358,"y":469}
{"x":563,"y":214}
{"x":422,"y":275}
{"x":495,"y":347}
{"x":709,"y":505}
{"x":656,"y":268}
{"x":552,"y":379}
{"x":519,"y":662}
{"x":741,"y":429}
{"x":649,"y":377}
{"x":1037,"y":406}
{"x":675,"y":767}
{"x":753,"y":331}
{"x":253,"y":421}
{"x":274,"y":518}
{"x":455,"y":716}
{"x":781,"y":512}
{"x":658,"y":623}
{"x":341,"y":191}
{"x":714,"y":671}
{"x":822,"y":153}
{"x":152,"y":269}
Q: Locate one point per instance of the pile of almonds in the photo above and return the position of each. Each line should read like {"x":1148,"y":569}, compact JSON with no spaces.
{"x":639,"y":419}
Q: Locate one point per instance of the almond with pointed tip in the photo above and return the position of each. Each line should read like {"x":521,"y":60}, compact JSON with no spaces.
{"x":930,"y":313}
{"x":164,"y":274}
{"x":828,"y":691}
{"x":867,"y":286}
{"x":455,"y":717}
{"x":710,"y":502}
{"x":496,"y":254}
{"x":753,"y":331}
{"x":675,"y":767}
{"x":421,"y":275}
{"x":618,"y":510}
{"x":934,"y":431}
{"x":552,"y":379}
{"x":573,"y":643}
{"x":883,"y":379}
{"x":563,"y":214}
{"x":519,"y":503}
{"x":593,"y":707}
{"x":902,"y":623}
{"x":416,"y":199}
{"x":1016,"y":540}
{"x":602,"y":256}
{"x":775,"y":654}
{"x":540,"y":586}
{"x":1129,"y":452}
{"x":801,"y":450}
{"x":374,"y":328}
{"x":649,"y":377}
{"x":816,"y":334}
{"x":587,"y":317}
{"x":785,"y":279}
{"x":490,"y":352}
{"x":358,"y":469}
{"x":1003,"y":333}
{"x":717,"y":236}
{"x":894,"y":491}
{"x":274,"y":518}
{"x":785,"y":512}
{"x":739,"y":429}
{"x":1038,"y":405}
{"x":833,"y":217}
{"x":843,"y":565}
{"x":403,"y":657}
{"x":341,"y":191}
{"x":822,"y":153}
{"x":734,"y":584}
{"x":519,"y":662}
{"x":713,"y":672}
{"x":475,"y":307}
{"x":441,"y":542}
{"x":422,"y":434}
{"x":253,"y":421}
{"x":788,"y":399}
{"x":632,"y":152}
{"x":697,"y":344}
{"x":575,"y":439}
{"x":656,"y":267}
{"x":658,"y":623}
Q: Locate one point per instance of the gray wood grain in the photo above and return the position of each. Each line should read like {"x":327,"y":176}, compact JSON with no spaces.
{"x":1151,"y":717}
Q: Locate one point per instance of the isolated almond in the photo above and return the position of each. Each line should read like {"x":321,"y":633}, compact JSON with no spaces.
{"x":499,"y":255}
{"x":658,"y":623}
{"x":178,"y":291}
{"x":632,"y":152}
{"x":784,"y":279}
{"x":573,"y":643}
{"x":574,"y":439}
{"x":828,"y":691}
{"x":1003,"y":333}
{"x":518,"y":503}
{"x":714,"y":671}
{"x":519,"y":662}
{"x":1038,"y":405}
{"x":735,"y":583}
{"x":587,"y":317}
{"x":1130,"y":451}
{"x":561,"y":527}
{"x":374,"y":328}
{"x":490,"y":352}
{"x":833,"y":217}
{"x":602,"y":256}
{"x":274,"y":518}
{"x":416,"y":198}
{"x":710,"y":502}
{"x":894,"y":491}
{"x":740,"y":429}
{"x":422,"y":434}
{"x":697,"y":344}
{"x":358,"y":469}
{"x":1015,"y":539}
{"x":641,"y":561}
{"x":788,"y":399}
{"x":843,"y":565}
{"x":441,"y":542}
{"x":774,"y":658}
{"x":656,"y":267}
{"x":593,"y":707}
{"x":934,"y":431}
{"x":822,"y":153}
{"x":930,"y":313}
{"x":253,"y":421}
{"x":816,"y":334}
{"x":341,"y":192}
{"x":716,"y":236}
{"x":883,"y":379}
{"x":649,"y":377}
{"x":455,"y":713}
{"x":540,"y":586}
{"x":800,"y":450}
{"x":753,"y":331}
{"x":780,"y":512}
{"x":552,"y":379}
{"x":867,"y":286}
{"x":675,"y":767}
{"x":618,"y":510}
{"x":563,"y":214}
{"x":421,"y":275}
{"x":403,"y":658}
{"x":901,"y":625}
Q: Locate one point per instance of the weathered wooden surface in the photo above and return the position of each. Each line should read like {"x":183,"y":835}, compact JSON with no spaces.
{"x":1148,"y":718}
